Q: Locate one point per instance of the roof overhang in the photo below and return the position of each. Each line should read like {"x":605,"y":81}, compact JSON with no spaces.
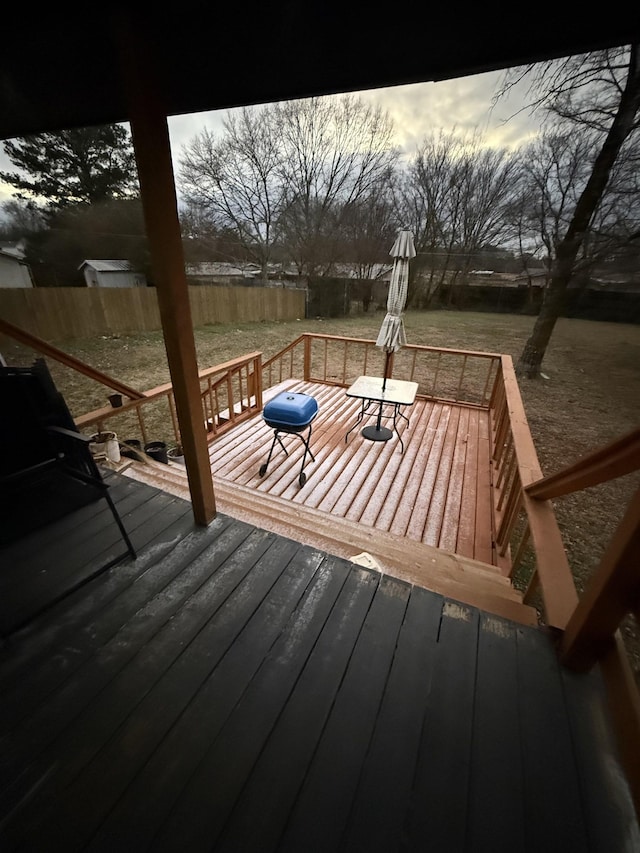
{"x":60,"y":70}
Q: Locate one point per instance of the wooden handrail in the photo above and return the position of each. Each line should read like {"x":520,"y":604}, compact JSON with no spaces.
{"x":408,"y":346}
{"x":614,"y":460}
{"x":553,"y":571}
{"x":610,"y":594}
{"x":226,"y":366}
{"x":225,"y":369}
{"x":45,"y":348}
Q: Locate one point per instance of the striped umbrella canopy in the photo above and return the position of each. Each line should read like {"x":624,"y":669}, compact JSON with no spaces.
{"x":391,"y":336}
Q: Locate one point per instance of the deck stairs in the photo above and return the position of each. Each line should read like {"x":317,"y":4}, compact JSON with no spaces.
{"x":460,"y":578}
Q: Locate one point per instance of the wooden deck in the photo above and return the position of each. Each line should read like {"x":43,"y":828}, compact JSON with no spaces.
{"x":438,"y":491}
{"x":233,"y":690}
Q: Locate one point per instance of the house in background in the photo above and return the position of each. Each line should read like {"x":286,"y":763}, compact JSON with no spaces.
{"x":14,"y":269}
{"x":219,"y":271}
{"x":111,"y":274}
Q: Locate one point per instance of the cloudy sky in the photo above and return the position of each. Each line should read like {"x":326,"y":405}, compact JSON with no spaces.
{"x":463,"y":105}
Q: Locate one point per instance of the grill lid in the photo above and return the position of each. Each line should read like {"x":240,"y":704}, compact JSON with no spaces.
{"x":289,"y":409}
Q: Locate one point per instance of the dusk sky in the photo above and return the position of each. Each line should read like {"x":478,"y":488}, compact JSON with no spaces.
{"x":463,"y":105}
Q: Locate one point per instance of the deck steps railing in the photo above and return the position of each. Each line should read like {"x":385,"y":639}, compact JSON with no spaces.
{"x":524,"y":526}
{"x":230,"y":393}
{"x":468,"y":581}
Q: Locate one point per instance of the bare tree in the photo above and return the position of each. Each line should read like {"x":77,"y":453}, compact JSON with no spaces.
{"x":555,"y":168}
{"x":454,"y":199}
{"x":337,"y":151}
{"x":600,"y":94}
{"x":368,"y":229}
{"x":238,"y":179}
{"x":285,"y":175}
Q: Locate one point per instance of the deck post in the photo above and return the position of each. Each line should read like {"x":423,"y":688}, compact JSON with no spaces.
{"x":257,"y":380}
{"x":157,"y":188}
{"x":307,"y":358}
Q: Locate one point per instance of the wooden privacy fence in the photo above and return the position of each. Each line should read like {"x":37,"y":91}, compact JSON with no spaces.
{"x":59,"y":313}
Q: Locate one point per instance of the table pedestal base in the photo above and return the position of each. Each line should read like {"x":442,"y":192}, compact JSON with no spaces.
{"x":374,"y":433}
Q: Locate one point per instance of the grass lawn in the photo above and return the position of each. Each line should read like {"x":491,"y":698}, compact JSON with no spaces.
{"x":590,"y":396}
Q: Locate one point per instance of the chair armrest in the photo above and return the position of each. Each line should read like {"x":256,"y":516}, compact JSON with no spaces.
{"x":7,"y":479}
{"x":69,"y":433}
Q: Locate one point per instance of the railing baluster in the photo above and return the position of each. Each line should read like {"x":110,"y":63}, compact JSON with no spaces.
{"x":464,"y":367}
{"x":143,"y":432}
{"x":513,"y":507}
{"x":502,"y":429}
{"x":486,"y":385}
{"x":210,"y":387}
{"x":174,"y":417}
{"x":230,"y":401}
{"x":522,"y":546}
{"x":505,"y":468}
{"x":307,"y":359}
{"x":435,"y":376}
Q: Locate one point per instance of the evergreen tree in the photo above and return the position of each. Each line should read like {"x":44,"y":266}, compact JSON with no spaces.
{"x":83,"y":165}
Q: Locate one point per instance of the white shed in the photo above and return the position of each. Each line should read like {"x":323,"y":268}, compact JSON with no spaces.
{"x":111,"y":274}
{"x":14,"y":270}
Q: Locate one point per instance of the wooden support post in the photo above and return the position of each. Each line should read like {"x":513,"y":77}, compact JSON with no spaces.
{"x":155,"y":171}
{"x":624,"y":704}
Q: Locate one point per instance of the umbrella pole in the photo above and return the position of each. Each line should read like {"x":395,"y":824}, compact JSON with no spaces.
{"x":386,"y":370}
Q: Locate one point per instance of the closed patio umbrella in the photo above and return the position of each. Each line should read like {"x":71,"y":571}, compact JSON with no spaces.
{"x":391,"y":336}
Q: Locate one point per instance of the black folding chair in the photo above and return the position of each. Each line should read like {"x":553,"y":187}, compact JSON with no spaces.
{"x":47,"y":470}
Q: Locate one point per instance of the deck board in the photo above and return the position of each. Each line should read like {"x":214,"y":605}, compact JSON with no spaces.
{"x":445,"y":749}
{"x":466,"y":534}
{"x":496,"y":763}
{"x":438,"y":491}
{"x":232,"y":689}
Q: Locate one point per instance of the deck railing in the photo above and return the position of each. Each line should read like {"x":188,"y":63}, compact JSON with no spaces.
{"x":590,"y":626}
{"x":592,"y":635}
{"x":521,"y":521}
{"x":230,"y":393}
{"x":449,"y":375}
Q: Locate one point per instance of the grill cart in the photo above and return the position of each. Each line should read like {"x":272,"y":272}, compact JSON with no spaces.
{"x":292,"y":414}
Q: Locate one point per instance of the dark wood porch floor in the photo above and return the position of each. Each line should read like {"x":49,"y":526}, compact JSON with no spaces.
{"x":233,"y":690}
{"x":438,"y":491}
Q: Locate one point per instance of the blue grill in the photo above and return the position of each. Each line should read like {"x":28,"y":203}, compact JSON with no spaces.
{"x":292,"y":414}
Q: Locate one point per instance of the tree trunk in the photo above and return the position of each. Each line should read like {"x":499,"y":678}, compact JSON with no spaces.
{"x":553,"y":305}
{"x":555,"y":298}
